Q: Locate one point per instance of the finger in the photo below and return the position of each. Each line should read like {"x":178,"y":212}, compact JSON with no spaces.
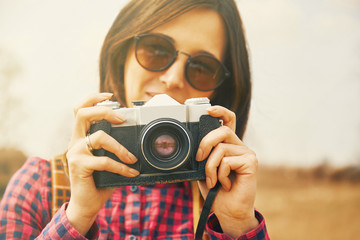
{"x":92,"y":100}
{"x":86,"y":116}
{"x":224,"y":171}
{"x":228,"y":117}
{"x":221,"y":134}
{"x":110,"y":165}
{"x":243,"y":165}
{"x":100,"y":140}
{"x":219,"y":152}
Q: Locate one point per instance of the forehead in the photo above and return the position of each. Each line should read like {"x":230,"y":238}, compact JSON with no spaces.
{"x":195,"y":31}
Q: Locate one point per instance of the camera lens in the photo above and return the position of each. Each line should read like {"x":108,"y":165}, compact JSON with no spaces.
{"x":165,"y":146}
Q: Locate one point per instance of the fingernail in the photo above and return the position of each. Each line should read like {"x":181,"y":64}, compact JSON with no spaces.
{"x":208,"y":182}
{"x":133,"y":172}
{"x":132,"y":158}
{"x":199,"y":155}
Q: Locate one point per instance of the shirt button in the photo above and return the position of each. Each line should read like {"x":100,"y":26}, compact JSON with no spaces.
{"x":134,"y":189}
{"x":132,"y":237}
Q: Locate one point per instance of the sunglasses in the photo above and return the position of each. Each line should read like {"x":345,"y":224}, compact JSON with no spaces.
{"x":156,"y":52}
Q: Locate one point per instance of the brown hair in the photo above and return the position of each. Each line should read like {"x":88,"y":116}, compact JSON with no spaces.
{"x":141,"y":16}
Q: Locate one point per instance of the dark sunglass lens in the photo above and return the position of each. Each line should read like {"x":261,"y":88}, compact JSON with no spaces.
{"x":154,"y":52}
{"x":204,"y":72}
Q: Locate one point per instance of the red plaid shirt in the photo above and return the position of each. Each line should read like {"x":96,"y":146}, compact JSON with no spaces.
{"x":161,"y":211}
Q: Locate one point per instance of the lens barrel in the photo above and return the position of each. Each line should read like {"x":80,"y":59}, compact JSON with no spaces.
{"x":165,"y":144}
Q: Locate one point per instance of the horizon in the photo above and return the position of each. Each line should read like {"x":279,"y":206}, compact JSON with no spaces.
{"x":304,"y":59}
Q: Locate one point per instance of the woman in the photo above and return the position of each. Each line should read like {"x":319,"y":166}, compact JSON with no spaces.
{"x":185,"y":49}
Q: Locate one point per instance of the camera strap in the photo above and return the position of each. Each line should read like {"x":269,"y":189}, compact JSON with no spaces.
{"x":60,"y":184}
{"x":205,"y":211}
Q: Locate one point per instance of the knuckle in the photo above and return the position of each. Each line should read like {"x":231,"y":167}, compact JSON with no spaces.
{"x":105,"y":111}
{"x":225,"y":166}
{"x":80,"y":113}
{"x":227,"y":131}
{"x":103,"y":162}
{"x":252,"y":156}
{"x":73,"y":161}
{"x":220,"y":150}
{"x":108,"y":111}
{"x":120,"y":168}
{"x":232,"y":115}
{"x":221,"y":147}
{"x":222,"y":177}
{"x":101,"y":139}
{"x":99,"y":136}
{"x":251,"y":152}
{"x":76,"y":109}
{"x":73,"y":151}
{"x":204,"y":142}
{"x":210,"y":167}
{"x":69,"y":155}
{"x":253,"y":161}
{"x":225,"y":162}
{"x":256,"y":162}
{"x":122,"y":150}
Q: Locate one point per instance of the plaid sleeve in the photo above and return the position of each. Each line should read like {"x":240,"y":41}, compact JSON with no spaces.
{"x":60,"y":228}
{"x":25,"y":207}
{"x":259,"y":233}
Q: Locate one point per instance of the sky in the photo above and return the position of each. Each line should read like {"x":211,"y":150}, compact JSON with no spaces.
{"x":305,"y":63}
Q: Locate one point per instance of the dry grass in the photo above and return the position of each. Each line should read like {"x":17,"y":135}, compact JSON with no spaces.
{"x":317,"y":203}
{"x":303,"y":204}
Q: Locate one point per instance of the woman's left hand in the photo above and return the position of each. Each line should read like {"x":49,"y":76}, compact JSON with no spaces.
{"x":235,"y":166}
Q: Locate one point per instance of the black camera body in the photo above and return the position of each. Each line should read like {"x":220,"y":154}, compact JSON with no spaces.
{"x":164,"y":135}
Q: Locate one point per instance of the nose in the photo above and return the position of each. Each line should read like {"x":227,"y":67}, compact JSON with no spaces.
{"x":174,"y":76}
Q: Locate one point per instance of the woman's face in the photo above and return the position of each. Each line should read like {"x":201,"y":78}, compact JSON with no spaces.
{"x":195,"y":32}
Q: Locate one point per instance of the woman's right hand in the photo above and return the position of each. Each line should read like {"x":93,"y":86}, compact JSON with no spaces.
{"x":86,"y":200}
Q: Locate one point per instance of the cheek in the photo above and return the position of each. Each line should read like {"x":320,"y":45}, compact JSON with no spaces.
{"x":193,"y":93}
{"x":129,"y":74}
{"x":136,"y":79}
{"x":132,"y":75}
{"x":129,"y":68}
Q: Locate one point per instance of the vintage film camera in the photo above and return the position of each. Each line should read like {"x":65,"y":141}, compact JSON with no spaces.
{"x":164,"y":135}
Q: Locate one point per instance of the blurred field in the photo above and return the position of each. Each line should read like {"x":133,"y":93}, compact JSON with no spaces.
{"x":317,"y":203}
{"x":11,"y":159}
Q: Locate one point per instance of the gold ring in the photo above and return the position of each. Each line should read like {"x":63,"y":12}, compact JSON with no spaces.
{"x":88,"y":143}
